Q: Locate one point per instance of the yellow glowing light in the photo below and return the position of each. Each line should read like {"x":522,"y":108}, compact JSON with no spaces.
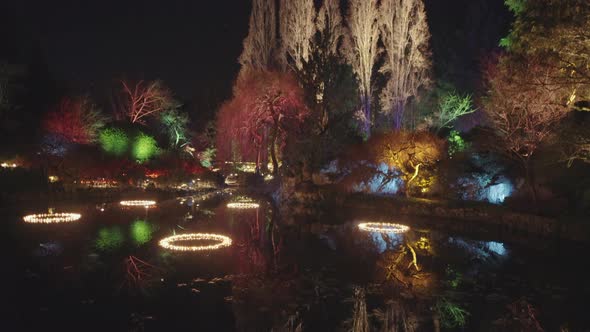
{"x":383,"y":227}
{"x":143,"y":203}
{"x":243,"y":205}
{"x":222,"y":241}
{"x":53,"y":178}
{"x":9,"y":165}
{"x":51,"y":218}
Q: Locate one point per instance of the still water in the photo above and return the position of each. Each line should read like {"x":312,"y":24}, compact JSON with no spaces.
{"x":106,"y":271}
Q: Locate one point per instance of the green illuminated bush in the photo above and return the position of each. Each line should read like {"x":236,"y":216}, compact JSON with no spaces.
{"x":144,"y":147}
{"x":114,"y":141}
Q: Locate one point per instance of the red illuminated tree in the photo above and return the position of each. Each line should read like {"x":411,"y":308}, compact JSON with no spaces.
{"x":523,"y":105}
{"x":266,"y":109}
{"x":145,"y":99}
{"x":75,"y":119}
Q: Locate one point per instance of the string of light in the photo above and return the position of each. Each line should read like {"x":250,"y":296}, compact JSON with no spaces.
{"x":383,"y":227}
{"x":138,"y":203}
{"x":243,"y":205}
{"x":221,"y":241}
{"x":51,"y":218}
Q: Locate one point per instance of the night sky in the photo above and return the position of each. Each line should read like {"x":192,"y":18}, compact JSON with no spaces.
{"x":85,"y":46}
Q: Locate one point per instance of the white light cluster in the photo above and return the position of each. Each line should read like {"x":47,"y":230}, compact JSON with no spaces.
{"x":222,"y":241}
{"x":138,"y":203}
{"x":383,"y":227}
{"x":9,"y":165}
{"x":51,"y":218}
{"x":243,"y":205}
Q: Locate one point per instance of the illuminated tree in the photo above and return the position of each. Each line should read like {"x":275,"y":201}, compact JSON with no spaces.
{"x":523,"y":105}
{"x":407,"y":153}
{"x":451,"y":106}
{"x":261,"y":42}
{"x":266,"y":109}
{"x":146,"y":99}
{"x":297,"y":31}
{"x":77,"y":120}
{"x":556,"y":33}
{"x":329,"y":25}
{"x":405,"y":35}
{"x":175,"y":126}
{"x":361,"y":50}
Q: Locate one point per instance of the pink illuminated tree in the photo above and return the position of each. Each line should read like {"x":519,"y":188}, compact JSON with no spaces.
{"x":266,"y":109}
{"x":146,"y":99}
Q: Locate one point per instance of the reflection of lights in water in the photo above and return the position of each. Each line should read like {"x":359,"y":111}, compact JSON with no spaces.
{"x":141,"y":232}
{"x":483,"y":249}
{"x":109,"y":239}
{"x":243,"y":205}
{"x":138,"y":203}
{"x":496,"y":247}
{"x":222,"y":241}
{"x":383,"y":227}
{"x":385,"y":240}
{"x":51,"y":218}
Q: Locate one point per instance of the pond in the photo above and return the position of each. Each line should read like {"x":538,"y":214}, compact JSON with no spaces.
{"x":107,"y":271}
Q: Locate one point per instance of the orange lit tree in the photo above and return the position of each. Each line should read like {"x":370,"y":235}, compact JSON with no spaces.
{"x":411,"y":155}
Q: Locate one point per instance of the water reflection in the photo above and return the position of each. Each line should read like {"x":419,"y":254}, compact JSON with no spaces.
{"x":141,"y":232}
{"x":109,"y":239}
{"x":322,"y":277}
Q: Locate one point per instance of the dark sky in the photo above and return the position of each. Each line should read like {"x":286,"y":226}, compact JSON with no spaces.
{"x":193,"y":45}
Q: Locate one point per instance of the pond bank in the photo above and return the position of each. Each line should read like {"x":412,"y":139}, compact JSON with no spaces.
{"x":466,"y":216}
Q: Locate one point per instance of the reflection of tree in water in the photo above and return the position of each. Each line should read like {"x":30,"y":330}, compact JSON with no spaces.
{"x":139,"y":274}
{"x":395,"y":318}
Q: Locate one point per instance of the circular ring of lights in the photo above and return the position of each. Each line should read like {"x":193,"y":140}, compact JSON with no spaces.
{"x":222,"y":241}
{"x":383,"y":227}
{"x":51,"y":218}
{"x":138,"y":203}
{"x":243,"y":205}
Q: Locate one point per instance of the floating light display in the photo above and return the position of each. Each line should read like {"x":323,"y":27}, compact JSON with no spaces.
{"x":221,"y":241}
{"x":51,"y":218}
{"x":383,"y":227}
{"x":143,"y":203}
{"x":243,"y":205}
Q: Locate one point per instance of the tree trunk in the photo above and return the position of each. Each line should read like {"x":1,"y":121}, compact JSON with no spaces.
{"x":530,"y":180}
{"x":273,"y":156}
{"x":366,"y":102}
{"x":416,"y":170}
{"x":258,"y":160}
{"x":398,"y":115}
